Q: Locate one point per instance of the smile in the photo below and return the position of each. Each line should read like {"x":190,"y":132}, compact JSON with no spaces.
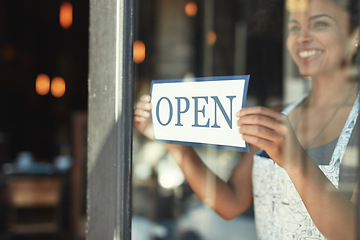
{"x":310,"y":53}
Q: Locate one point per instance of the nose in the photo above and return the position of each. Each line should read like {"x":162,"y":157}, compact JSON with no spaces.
{"x":304,"y":36}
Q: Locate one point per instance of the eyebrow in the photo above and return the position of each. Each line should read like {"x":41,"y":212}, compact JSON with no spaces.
{"x":314,"y":17}
{"x":322,"y":15}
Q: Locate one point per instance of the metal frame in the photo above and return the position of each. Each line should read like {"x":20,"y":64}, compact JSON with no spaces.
{"x":110,"y":119}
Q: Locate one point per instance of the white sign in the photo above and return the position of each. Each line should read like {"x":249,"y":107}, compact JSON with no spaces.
{"x":200,"y":111}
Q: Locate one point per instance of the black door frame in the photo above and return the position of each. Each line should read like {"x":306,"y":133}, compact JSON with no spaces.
{"x":111,"y":82}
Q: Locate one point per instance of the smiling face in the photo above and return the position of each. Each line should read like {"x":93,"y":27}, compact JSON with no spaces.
{"x":319,"y":39}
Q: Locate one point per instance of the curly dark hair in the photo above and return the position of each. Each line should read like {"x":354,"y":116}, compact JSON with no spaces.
{"x":352,"y":7}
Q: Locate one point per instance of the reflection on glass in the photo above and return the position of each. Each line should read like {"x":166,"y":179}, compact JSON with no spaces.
{"x":300,"y":178}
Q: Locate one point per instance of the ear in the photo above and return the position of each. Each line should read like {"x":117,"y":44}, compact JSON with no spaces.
{"x":355,"y":37}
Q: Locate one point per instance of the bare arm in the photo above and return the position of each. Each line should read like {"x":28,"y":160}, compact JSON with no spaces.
{"x":228,"y":199}
{"x":331,"y":211}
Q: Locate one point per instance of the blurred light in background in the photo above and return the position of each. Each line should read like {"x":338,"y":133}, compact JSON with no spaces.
{"x":170,"y":180}
{"x":58,"y":87}
{"x":191,"y":9}
{"x":211,"y":38}
{"x":169,"y":174}
{"x":139,"y":51}
{"x":66,"y":15}
{"x":42,"y":84}
{"x":296,"y":5}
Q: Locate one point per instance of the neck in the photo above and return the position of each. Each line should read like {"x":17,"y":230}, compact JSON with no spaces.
{"x":331,"y":90}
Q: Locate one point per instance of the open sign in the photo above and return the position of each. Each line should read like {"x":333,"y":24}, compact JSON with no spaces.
{"x":199,"y":111}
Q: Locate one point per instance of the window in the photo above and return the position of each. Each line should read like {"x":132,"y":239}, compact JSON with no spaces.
{"x":280,"y":44}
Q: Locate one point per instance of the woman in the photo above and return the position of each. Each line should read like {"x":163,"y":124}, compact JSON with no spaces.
{"x":294,"y":179}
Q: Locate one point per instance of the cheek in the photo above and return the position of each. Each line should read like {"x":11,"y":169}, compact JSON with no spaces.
{"x":349,"y":47}
{"x":289,"y":45}
{"x":340,"y":47}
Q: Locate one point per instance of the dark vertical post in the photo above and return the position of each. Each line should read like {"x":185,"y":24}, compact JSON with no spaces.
{"x":357,"y":185}
{"x":358,"y":150}
{"x":110,"y":119}
{"x":358,"y":196}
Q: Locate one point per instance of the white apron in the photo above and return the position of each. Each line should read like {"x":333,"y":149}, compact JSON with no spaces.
{"x":279,"y":210}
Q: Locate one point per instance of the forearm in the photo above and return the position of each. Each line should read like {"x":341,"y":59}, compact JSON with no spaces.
{"x":212,"y":190}
{"x":333,"y":214}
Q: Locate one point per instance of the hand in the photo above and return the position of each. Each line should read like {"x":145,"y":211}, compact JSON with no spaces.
{"x":142,"y":117}
{"x":272,"y":132}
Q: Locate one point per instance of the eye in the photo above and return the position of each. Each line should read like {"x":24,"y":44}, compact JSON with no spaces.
{"x":293,"y":28}
{"x":320,"y":25}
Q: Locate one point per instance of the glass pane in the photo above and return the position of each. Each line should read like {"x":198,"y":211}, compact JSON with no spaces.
{"x":299,"y":178}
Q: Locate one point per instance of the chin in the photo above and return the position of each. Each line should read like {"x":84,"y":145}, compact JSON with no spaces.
{"x":307,"y":77}
{"x":308,"y":72}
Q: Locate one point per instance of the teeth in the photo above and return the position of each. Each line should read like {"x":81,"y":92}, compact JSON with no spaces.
{"x":305,"y":54}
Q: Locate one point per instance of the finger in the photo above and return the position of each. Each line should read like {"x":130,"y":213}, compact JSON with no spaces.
{"x":261,"y":120}
{"x":259,"y":142}
{"x":141,"y":113}
{"x":259,"y":110}
{"x":143,"y":105}
{"x":138,"y":119}
{"x":145,"y":98}
{"x":260,"y":132}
